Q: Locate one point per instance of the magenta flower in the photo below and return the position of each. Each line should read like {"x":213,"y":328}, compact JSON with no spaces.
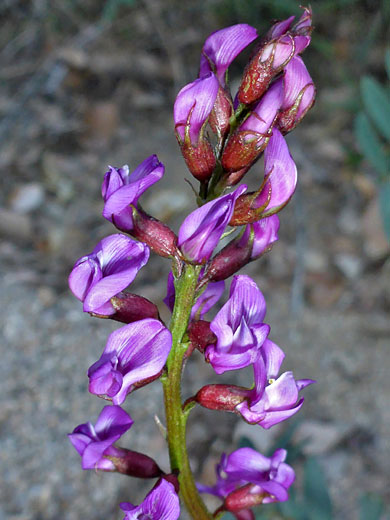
{"x":93,"y":443}
{"x":162,"y":503}
{"x":200,"y":232}
{"x":281,"y":174}
{"x":256,"y":240}
{"x":222,"y":47}
{"x":246,"y":473}
{"x":251,"y":138}
{"x":239,"y":327}
{"x":273,"y":398}
{"x":299,"y":95}
{"x":134,"y":353}
{"x":192,"y":108}
{"x":108,"y":270}
{"x":120,"y":189}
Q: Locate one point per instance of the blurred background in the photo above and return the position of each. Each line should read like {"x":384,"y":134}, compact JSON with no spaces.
{"x":87,"y":83}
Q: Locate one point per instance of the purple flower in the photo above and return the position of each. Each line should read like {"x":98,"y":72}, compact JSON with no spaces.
{"x":270,"y":477}
{"x":273,"y":398}
{"x":120,"y":189}
{"x":204,"y":302}
{"x":110,"y":268}
{"x":280,"y":173}
{"x":162,"y":503}
{"x":200,"y":232}
{"x":134,"y":353}
{"x":239,"y":327}
{"x":222,"y":47}
{"x":94,"y":442}
{"x":264,"y":232}
{"x":299,"y":95}
{"x":192,"y":108}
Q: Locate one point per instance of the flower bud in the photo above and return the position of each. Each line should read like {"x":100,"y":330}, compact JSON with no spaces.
{"x":299,"y":95}
{"x":200,"y":335}
{"x":133,"y":463}
{"x":221,"y":113}
{"x":157,"y":235}
{"x":199,"y":159}
{"x":244,"y":498}
{"x":131,"y":307}
{"x":251,"y":138}
{"x":191,"y":112}
{"x":221,"y":397}
{"x":279,"y":46}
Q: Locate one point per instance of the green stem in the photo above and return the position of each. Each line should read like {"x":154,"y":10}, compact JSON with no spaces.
{"x":176,"y":419}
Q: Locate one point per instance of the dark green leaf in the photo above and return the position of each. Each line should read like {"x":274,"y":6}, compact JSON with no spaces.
{"x":371,"y":507}
{"x":370,"y":145}
{"x":376,"y":100}
{"x":316,"y":494}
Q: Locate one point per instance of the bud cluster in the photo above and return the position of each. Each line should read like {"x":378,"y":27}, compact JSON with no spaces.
{"x":275,"y":93}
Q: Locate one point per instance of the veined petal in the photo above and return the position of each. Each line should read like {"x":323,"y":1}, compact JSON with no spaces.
{"x":277,"y":491}
{"x":276,"y":416}
{"x":112,"y":421}
{"x":273,"y":358}
{"x":282,"y":171}
{"x":265,"y":234}
{"x":246,"y":299}
{"x":94,"y":453}
{"x":201,"y":231}
{"x":265,"y":111}
{"x":296,"y":77}
{"x":280,"y":28}
{"x":222,"y":47}
{"x":247,"y":464}
{"x":281,"y":394}
{"x":162,"y":503}
{"x":114,"y":179}
{"x":84,"y":275}
{"x":193,"y":105}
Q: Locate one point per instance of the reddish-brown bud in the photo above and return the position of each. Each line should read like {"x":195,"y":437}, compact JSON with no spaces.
{"x":244,"y":498}
{"x":219,"y":118}
{"x":229,"y":260}
{"x":130,"y":307}
{"x":134,"y":464}
{"x":257,"y":76}
{"x":200,"y":159}
{"x":242,"y":149}
{"x":173,"y":479}
{"x":157,"y":235}
{"x":200,"y":335}
{"x":249,"y":206}
{"x":221,"y":397}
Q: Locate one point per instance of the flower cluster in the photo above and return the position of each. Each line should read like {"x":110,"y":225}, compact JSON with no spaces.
{"x":275,"y":93}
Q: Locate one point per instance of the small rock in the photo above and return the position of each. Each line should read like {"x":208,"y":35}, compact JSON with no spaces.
{"x":27,"y":198}
{"x":14,"y":225}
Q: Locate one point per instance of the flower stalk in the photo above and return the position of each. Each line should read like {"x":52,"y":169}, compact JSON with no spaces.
{"x":185,"y":288}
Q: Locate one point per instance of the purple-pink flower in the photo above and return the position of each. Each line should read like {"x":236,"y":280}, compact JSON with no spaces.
{"x":93,"y":443}
{"x":108,"y":270}
{"x":239,"y":327}
{"x":121,"y":188}
{"x":134,"y":353}
{"x":192,"y":107}
{"x":273,"y":399}
{"x":222,"y":47}
{"x":200,"y":232}
{"x":162,"y":503}
{"x":299,"y":95}
{"x":268,"y":477}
